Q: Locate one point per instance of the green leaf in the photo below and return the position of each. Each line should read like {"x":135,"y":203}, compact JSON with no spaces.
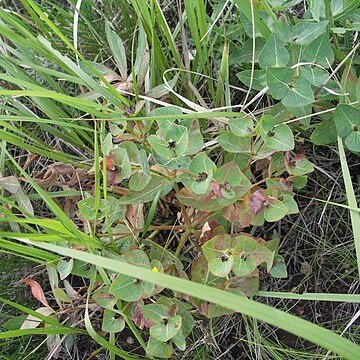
{"x":290,"y":203}
{"x":278,"y":81}
{"x":278,"y":270}
{"x":149,"y":192}
{"x":64,"y":268}
{"x":129,"y":288}
{"x":159,"y":349}
{"x":118,"y":50}
{"x":317,"y":8}
{"x":161,"y":147}
{"x":233,"y":183}
{"x":201,"y":163}
{"x":155,"y":313}
{"x":347,"y":120}
{"x":275,"y":210}
{"x":103,"y":298}
{"x":315,"y":75}
{"x":112,"y":322}
{"x":305,"y":32}
{"x":61,"y":295}
{"x":179,"y":340}
{"x":242,"y":126}
{"x":299,"y":94}
{"x":171,"y":140}
{"x":243,"y":266}
{"x":14,"y":323}
{"x":234,"y":144}
{"x":324,"y":133}
{"x":283,"y":31}
{"x":218,"y":253}
{"x":300,"y":166}
{"x":167,"y":329}
{"x":120,"y":159}
{"x":279,"y":138}
{"x":201,"y":170}
{"x":245,"y":53}
{"x":319,"y":52}
{"x":352,"y":141}
{"x":139,"y":180}
{"x":258,"y":82}
{"x":274,"y":53}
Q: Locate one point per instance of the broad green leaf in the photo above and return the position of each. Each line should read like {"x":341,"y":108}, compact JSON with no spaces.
{"x":155,"y":313}
{"x":171,"y":140}
{"x":242,"y":126}
{"x":218,"y":253}
{"x":167,"y":329}
{"x":201,"y":163}
{"x":299,"y":182}
{"x":347,"y":119}
{"x":120,"y":159}
{"x":258,"y":82}
{"x":279,"y":138}
{"x":14,"y":323}
{"x":162,"y":147}
{"x":118,"y":50}
{"x":305,"y":32}
{"x":299,"y":94}
{"x":159,"y":349}
{"x":177,"y":138}
{"x":291,"y":204}
{"x":300,"y":167}
{"x":201,"y":170}
{"x":149,"y":192}
{"x":222,"y":265}
{"x":129,"y":288}
{"x":245,"y":53}
{"x":319,"y":52}
{"x":112,"y":322}
{"x":274,"y":53}
{"x":324,"y":133}
{"x":103,"y":298}
{"x":317,"y":8}
{"x":232,"y":182}
{"x":278,"y":270}
{"x":278,"y":81}
{"x":314,"y":75}
{"x":275,"y":210}
{"x":64,"y":268}
{"x":179,"y":340}
{"x":349,"y":82}
{"x":196,"y":142}
{"x":352,"y":141}
{"x":61,"y":295}
{"x":139,"y":180}
{"x":283,"y":31}
{"x":243,"y":266}
{"x":234,"y":144}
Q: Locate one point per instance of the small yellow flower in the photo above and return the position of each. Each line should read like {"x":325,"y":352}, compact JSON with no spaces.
{"x":155,"y":269}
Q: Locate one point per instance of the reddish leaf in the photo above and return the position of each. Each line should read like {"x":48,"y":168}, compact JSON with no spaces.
{"x":36,"y":290}
{"x":257,"y":201}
